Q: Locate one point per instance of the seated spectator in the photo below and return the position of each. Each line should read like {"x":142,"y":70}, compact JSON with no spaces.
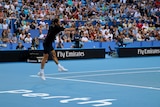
{"x":59,"y":44}
{"x":99,"y":36}
{"x":84,"y":37}
{"x":33,"y":25}
{"x":5,"y":38}
{"x":20,"y":46}
{"x":66,"y":36}
{"x":14,"y":38}
{"x":23,"y":24}
{"x":157,"y":3}
{"x":41,"y":35}
{"x":35,"y":42}
{"x":139,"y":36}
{"x":139,"y":24}
{"x":28,"y":38}
{"x":137,"y":14}
{"x":5,"y":26}
{"x":26,"y":26}
{"x":47,"y":26}
{"x":22,"y":15}
{"x":152,"y":36}
{"x":127,"y":40}
{"x":145,"y":26}
{"x":22,"y":36}
{"x":106,"y":36}
{"x":42,"y":24}
{"x":151,"y":27}
{"x":17,"y":24}
{"x":33,"y":47}
{"x":9,"y":33}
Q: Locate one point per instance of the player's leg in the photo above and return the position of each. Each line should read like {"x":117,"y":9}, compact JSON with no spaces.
{"x":41,"y":73}
{"x":43,"y":62}
{"x":54,"y":57}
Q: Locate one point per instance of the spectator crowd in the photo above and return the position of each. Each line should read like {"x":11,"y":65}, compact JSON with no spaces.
{"x":96,"y":20}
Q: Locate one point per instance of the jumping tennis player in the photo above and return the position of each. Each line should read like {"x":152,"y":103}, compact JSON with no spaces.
{"x":54,"y":29}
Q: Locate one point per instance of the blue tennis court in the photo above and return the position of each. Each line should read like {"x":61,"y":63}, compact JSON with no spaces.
{"x":109,"y":82}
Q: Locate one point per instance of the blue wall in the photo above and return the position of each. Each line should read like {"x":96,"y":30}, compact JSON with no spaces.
{"x":113,"y":45}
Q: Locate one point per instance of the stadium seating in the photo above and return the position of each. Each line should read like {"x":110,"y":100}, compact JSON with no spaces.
{"x":14,"y":45}
{"x":34,"y":33}
{"x":44,"y":31}
{"x":8,"y":47}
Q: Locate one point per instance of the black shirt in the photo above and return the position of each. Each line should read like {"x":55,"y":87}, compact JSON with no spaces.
{"x":32,"y":26}
{"x":20,"y":48}
{"x":77,"y":37}
{"x":52,"y":32}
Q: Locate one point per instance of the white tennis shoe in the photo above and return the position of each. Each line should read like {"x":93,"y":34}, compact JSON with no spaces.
{"x":40,"y":74}
{"x":61,"y":68}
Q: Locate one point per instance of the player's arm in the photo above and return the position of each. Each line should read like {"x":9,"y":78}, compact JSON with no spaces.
{"x":69,"y":29}
{"x":62,"y":28}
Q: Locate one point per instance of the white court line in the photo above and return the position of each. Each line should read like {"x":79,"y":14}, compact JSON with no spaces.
{"x":91,"y":75}
{"x":104,"y":83}
{"x":149,"y":68}
{"x":121,"y":73}
{"x":108,"y":83}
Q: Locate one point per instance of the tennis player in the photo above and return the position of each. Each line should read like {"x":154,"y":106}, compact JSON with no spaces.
{"x":54,"y":29}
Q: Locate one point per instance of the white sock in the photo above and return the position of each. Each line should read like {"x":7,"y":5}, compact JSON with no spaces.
{"x":42,"y":70}
{"x":59,"y":65}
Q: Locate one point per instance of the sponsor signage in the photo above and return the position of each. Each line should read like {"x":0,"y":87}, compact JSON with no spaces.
{"x":148,"y":51}
{"x":80,"y":53}
{"x":141,"y":51}
{"x":66,"y":54}
{"x":35,"y":55}
{"x":62,"y":99}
